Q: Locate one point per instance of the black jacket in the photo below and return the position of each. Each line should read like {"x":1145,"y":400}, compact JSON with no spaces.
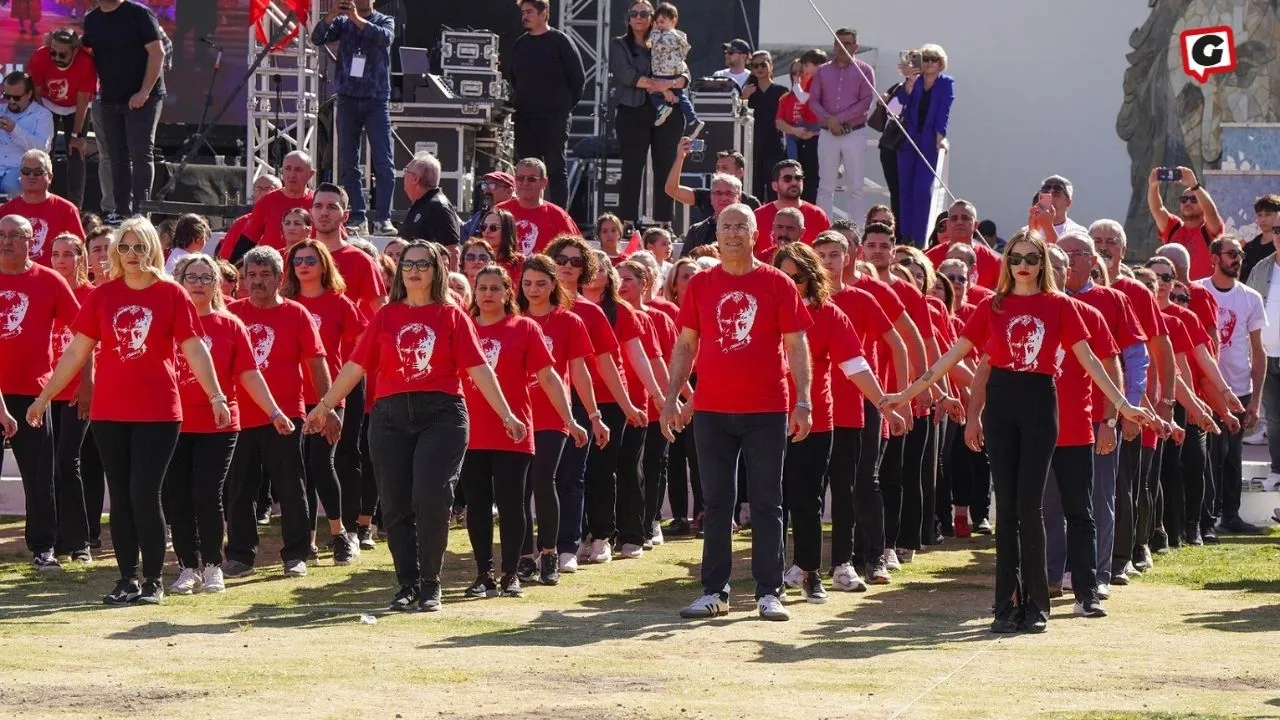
{"x":432,"y":218}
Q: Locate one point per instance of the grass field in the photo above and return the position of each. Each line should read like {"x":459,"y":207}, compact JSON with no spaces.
{"x":1199,"y":637}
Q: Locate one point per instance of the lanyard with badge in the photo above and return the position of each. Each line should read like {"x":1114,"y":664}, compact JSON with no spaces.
{"x":357,"y":65}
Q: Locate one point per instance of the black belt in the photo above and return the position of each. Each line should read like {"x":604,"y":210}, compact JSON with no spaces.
{"x":1273,"y":364}
{"x":853,"y":128}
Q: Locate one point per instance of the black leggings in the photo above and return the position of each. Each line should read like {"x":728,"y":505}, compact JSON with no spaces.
{"x":548,"y":446}
{"x":803,"y":468}
{"x":1020,"y":423}
{"x":193,"y":496}
{"x":495,"y":476}
{"x":73,"y":517}
{"x":929,"y":483}
{"x":135,"y":455}
{"x":348,"y":460}
{"x":654,"y":463}
{"x":682,"y":475}
{"x":602,"y":476}
{"x":322,"y":477}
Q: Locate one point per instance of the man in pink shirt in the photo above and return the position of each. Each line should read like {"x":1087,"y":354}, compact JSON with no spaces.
{"x":841,"y":96}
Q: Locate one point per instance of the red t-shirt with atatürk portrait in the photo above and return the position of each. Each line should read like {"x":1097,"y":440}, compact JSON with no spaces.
{"x":1024,"y":335}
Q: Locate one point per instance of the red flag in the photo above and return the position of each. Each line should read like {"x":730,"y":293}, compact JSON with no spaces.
{"x":258,"y":10}
{"x":633,"y":245}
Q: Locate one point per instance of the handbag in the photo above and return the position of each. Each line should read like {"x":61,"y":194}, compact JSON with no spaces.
{"x":891,"y":134}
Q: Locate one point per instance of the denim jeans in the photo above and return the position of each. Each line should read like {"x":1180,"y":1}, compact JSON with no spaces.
{"x":417,"y":441}
{"x":1128,"y":455}
{"x":762,"y":439}
{"x":108,"y":203}
{"x":131,"y":135}
{"x":1105,"y":468}
{"x":373,"y":118}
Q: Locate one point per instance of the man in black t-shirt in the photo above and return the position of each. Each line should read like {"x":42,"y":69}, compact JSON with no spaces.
{"x":431,"y":217}
{"x":1266,"y":211}
{"x":127,"y":48}
{"x":728,"y":162}
{"x":725,"y":190}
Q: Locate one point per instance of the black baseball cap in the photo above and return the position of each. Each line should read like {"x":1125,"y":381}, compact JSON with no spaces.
{"x":737,"y":45}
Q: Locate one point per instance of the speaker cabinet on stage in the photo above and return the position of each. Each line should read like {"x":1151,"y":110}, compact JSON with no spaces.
{"x":476,"y":85}
{"x":468,"y":50}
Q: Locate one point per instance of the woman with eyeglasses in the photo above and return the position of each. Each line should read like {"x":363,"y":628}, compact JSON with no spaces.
{"x":139,"y":316}
{"x":499,"y":230}
{"x":1020,"y":331}
{"x":834,"y":346}
{"x":419,"y":344}
{"x":312,"y":279}
{"x":197,"y":472}
{"x":682,"y":455}
{"x":495,"y":469}
{"x":587,"y":476}
{"x":926,"y":96}
{"x":631,"y":64}
{"x":296,"y":226}
{"x":477,"y":254}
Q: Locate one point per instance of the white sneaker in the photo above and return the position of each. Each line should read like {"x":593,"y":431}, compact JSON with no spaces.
{"x":187,"y":582}
{"x":657,"y":533}
{"x":846,"y":578}
{"x":630,"y":551}
{"x":906,"y":555}
{"x":568,"y":563}
{"x":1257,"y":437}
{"x":664,"y":112}
{"x":707,"y":606}
{"x":601,"y":551}
{"x":1273,"y":481}
{"x":584,"y":551}
{"x":793,"y":577}
{"x":295,"y":568}
{"x":1066,"y":581}
{"x":891,"y":559}
{"x":771,"y":608}
{"x":213,"y":582}
{"x":1104,"y":591}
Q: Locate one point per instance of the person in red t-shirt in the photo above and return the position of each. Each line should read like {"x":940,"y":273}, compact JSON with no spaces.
{"x":796,"y":120}
{"x":227,"y":245}
{"x":419,"y":344}
{"x":34,"y":302}
{"x":1203,"y":303}
{"x":197,"y":472}
{"x":960,"y":223}
{"x":1015,"y":412}
{"x":265,"y":226}
{"x":312,"y":279}
{"x":609,"y":237}
{"x":49,"y":215}
{"x":538,"y":221}
{"x":284,"y":340}
{"x":745,"y":323}
{"x":495,"y":467}
{"x":1197,"y":223}
{"x":138,"y":316}
{"x":788,"y":182}
{"x":66,"y":79}
{"x":499,"y":230}
{"x":542,"y":299}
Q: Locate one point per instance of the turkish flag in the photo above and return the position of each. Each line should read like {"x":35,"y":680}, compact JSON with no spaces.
{"x":258,"y":10}
{"x":633,"y":245}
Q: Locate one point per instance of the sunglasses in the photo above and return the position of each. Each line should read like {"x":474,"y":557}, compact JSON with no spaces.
{"x":1032,"y":258}
{"x":491,"y":227}
{"x":14,"y":98}
{"x":639,"y":14}
{"x":528,"y":178}
{"x":424,"y":264}
{"x":138,"y":249}
{"x":199,"y":279}
{"x":576,"y":261}
{"x":757,"y":65}
{"x":60,"y":55}
{"x":1181,"y":299}
{"x":791,"y":178}
{"x":1188,"y":199}
{"x":1165,"y":277}
{"x":931,"y":58}
{"x":798,"y":279}
{"x":32,"y":172}
{"x":1233,"y":254}
{"x":476,"y":257}
{"x":957,"y":279}
{"x":308,"y":260}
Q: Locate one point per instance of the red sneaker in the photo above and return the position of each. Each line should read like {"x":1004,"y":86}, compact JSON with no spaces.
{"x":961,"y":524}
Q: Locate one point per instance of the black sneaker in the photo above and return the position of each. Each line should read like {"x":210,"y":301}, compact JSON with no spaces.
{"x":1006,"y":623}
{"x":1239,"y":527}
{"x":95,"y":543}
{"x":342,"y":550}
{"x":429,"y":597}
{"x":113,"y":219}
{"x":1032,"y":620}
{"x":678,"y":527}
{"x":1193,"y":534}
{"x":264,"y":517}
{"x":511,"y":586}
{"x":404,"y":599}
{"x":364,"y":534}
{"x":152,"y":592}
{"x":1159,"y":543}
{"x":1209,"y":535}
{"x":812,"y":588}
{"x":525,"y":568}
{"x":550,"y":571}
{"x":82,"y":557}
{"x":484,"y":586}
{"x":1089,"y":609}
{"x":126,"y":591}
{"x":45,"y":562}
{"x":983,"y":528}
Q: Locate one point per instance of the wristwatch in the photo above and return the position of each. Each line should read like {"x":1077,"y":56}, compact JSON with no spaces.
{"x":1111,"y":423}
{"x":805,"y":404}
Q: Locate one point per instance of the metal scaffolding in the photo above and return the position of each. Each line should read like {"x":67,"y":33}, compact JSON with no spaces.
{"x":586,"y":22}
{"x":283,"y":93}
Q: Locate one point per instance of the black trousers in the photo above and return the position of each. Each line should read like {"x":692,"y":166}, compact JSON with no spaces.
{"x":653,"y":463}
{"x":855,"y":493}
{"x":682,"y":475}
{"x":950,"y":433}
{"x":802,"y":473}
{"x":889,"y":162}
{"x":548,"y":445}
{"x":546,"y":137}
{"x":639,"y":140}
{"x":1128,"y":483}
{"x":131,"y":135}
{"x":282,"y":456}
{"x":600,"y":500}
{"x":971,"y":480}
{"x":1182,"y":480}
{"x":495,"y":476}
{"x":368,"y":493}
{"x":73,"y":517}
{"x":193,"y":496}
{"x":1147,"y":516}
{"x":65,"y":124}
{"x":900,"y":480}
{"x":95,"y":484}
{"x":762,"y":164}
{"x":630,"y":507}
{"x":807,"y":154}
{"x":1068,"y":501}
{"x":929,"y":483}
{"x":33,"y":449}
{"x":348,"y":461}
{"x":322,"y":478}
{"x":135,"y":456}
{"x":1228,"y":479}
{"x":417,"y":441}
{"x":1020,"y":423}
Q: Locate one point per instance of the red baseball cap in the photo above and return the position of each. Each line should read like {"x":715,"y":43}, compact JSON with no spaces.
{"x":502,"y":178}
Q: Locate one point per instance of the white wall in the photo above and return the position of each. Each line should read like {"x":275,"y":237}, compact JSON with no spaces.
{"x":1038,"y":86}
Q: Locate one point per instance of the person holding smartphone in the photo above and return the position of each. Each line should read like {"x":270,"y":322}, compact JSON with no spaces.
{"x":763,"y":95}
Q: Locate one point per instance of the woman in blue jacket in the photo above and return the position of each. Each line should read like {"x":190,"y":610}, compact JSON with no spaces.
{"x":926,"y":96}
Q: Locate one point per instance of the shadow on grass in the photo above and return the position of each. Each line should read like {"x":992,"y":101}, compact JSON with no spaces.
{"x":1244,"y":620}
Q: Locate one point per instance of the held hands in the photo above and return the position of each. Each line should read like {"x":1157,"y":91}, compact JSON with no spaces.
{"x":316,"y":420}
{"x":1178,"y":434}
{"x":1130,"y":429}
{"x":898,"y":425}
{"x":672,"y":420}
{"x":953,"y":408}
{"x":893,"y":401}
{"x":516,"y":429}
{"x":1250,"y":416}
{"x":1233,"y":402}
{"x":284,"y":425}
{"x":1142,"y":416}
{"x":636,"y":417}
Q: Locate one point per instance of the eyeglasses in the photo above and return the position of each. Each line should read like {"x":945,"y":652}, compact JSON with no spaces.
{"x":491,"y":227}
{"x":138,"y":249}
{"x":1233,"y":254}
{"x":575,"y":260}
{"x":799,"y":279}
{"x":528,"y":178}
{"x":639,"y":14}
{"x":199,"y":279}
{"x":14,"y":98}
{"x":1165,"y":277}
{"x":1188,"y":200}
{"x":1032,"y":258}
{"x":476,"y":257}
{"x":308,"y":260}
{"x":791,"y":178}
{"x":1181,"y":299}
{"x":32,"y":172}
{"x":61,"y":55}
{"x":1079,"y":254}
{"x":957,"y":279}
{"x":424,"y":264}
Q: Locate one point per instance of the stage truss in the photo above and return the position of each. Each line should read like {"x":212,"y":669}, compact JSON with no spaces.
{"x":586,"y":22}
{"x":284,"y":91}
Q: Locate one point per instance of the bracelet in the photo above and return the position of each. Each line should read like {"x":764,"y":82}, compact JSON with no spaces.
{"x":597,"y":415}
{"x":804,"y":405}
{"x":1195,"y":188}
{"x":217,"y":398}
{"x":1169,"y":401}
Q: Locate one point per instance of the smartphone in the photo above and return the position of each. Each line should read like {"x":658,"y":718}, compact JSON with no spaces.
{"x":1168,"y":174}
{"x":915,"y":60}
{"x":698,"y":146}
{"x":1045,"y":201}
{"x":902,"y":56}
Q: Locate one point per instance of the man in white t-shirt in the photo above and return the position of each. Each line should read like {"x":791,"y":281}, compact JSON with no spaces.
{"x":1062,"y":191}
{"x":1241,"y":320}
{"x":736,"y":53}
{"x":1265,"y":279}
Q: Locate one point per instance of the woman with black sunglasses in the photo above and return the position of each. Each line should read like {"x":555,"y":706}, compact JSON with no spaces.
{"x":1020,"y":331}
{"x":476,"y":255}
{"x":499,"y":231}
{"x":420,"y":343}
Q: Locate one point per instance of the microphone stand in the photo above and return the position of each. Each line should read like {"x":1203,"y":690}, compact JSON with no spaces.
{"x":198,"y":139}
